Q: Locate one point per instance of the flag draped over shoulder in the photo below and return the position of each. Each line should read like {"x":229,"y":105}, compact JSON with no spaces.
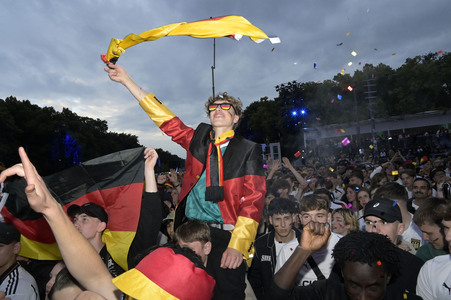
{"x":114,"y":181}
{"x":226,"y":26}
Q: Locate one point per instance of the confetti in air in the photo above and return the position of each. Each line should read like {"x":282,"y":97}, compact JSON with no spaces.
{"x":345,"y":141}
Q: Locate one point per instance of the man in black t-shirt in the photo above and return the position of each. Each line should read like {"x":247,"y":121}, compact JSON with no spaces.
{"x":367,"y":261}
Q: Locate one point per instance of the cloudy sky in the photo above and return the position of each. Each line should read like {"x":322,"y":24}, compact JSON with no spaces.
{"x":50,"y":51}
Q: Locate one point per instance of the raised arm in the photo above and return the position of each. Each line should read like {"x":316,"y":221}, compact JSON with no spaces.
{"x":174,"y":178}
{"x":314,"y":236}
{"x":274,"y":166}
{"x":150,"y":216}
{"x":83,"y":262}
{"x":151,"y":157}
{"x":287,"y":164}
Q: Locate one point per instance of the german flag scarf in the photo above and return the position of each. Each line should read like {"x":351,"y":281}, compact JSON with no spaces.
{"x":214,"y":167}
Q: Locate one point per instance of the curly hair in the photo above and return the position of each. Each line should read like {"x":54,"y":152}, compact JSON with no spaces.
{"x":236,"y":104}
{"x":367,"y":248}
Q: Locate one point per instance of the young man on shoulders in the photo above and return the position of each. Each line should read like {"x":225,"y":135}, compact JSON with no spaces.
{"x":224,"y":184}
{"x":273,"y":249}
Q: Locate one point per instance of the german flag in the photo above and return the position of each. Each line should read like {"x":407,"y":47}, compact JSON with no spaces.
{"x":226,"y":26}
{"x":114,"y":181}
{"x":167,"y":273}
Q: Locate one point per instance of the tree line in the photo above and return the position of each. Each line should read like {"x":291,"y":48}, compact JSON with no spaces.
{"x":422,"y":83}
{"x":57,"y":140}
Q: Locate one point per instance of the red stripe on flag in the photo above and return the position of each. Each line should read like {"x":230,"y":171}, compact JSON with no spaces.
{"x":122,"y":204}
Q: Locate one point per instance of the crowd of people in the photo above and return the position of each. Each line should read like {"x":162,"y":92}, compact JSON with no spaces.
{"x":227,"y":228}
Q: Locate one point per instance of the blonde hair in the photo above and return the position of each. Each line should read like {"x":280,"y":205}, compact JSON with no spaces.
{"x":349,"y":217}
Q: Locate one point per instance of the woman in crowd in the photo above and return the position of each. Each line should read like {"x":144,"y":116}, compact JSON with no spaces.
{"x":343,"y":221}
{"x":363,"y":196}
{"x":351,"y":198}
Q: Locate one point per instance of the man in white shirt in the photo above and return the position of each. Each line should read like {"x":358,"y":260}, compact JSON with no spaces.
{"x":273,"y":249}
{"x":15,"y":281}
{"x":314,"y":208}
{"x":434,"y":279}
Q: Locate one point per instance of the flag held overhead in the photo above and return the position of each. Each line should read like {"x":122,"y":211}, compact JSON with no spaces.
{"x":226,"y":26}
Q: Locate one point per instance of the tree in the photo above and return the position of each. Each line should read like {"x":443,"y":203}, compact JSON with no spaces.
{"x":422,"y":83}
{"x":58,"y":140}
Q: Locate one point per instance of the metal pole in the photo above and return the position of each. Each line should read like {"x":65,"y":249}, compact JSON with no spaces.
{"x":213,"y":67}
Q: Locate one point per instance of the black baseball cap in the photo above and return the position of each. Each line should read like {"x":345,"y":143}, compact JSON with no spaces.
{"x":383,"y":208}
{"x":8,"y":233}
{"x":91,"y":209}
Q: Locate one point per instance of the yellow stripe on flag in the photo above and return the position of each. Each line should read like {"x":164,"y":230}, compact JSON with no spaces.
{"x":118,"y":243}
{"x":39,"y":251}
{"x":137,"y":285}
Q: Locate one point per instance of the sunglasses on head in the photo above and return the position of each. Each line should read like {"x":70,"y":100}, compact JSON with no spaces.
{"x":224,"y":106}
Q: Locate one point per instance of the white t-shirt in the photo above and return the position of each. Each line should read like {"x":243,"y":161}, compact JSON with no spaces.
{"x":284,"y":251}
{"x":20,"y":285}
{"x":323,"y":259}
{"x":413,"y":237}
{"x":434,"y":279}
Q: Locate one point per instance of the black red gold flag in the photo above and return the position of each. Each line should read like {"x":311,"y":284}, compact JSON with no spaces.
{"x":114,"y":181}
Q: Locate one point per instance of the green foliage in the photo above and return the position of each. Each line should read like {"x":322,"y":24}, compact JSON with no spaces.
{"x":43,"y":132}
{"x":422,"y":83}
{"x":168,"y":161}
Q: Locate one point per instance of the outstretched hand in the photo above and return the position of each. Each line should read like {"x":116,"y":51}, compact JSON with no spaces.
{"x":37,"y":193}
{"x":151,"y":157}
{"x":314,"y":236}
{"x":116,"y":73}
{"x":173,"y":177}
{"x":286,"y":163}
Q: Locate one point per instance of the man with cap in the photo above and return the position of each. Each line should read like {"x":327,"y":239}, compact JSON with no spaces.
{"x":15,"y":281}
{"x":91,"y":220}
{"x":383,"y":216}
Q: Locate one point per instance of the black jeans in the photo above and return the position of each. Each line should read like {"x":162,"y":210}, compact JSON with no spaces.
{"x":230,"y":283}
